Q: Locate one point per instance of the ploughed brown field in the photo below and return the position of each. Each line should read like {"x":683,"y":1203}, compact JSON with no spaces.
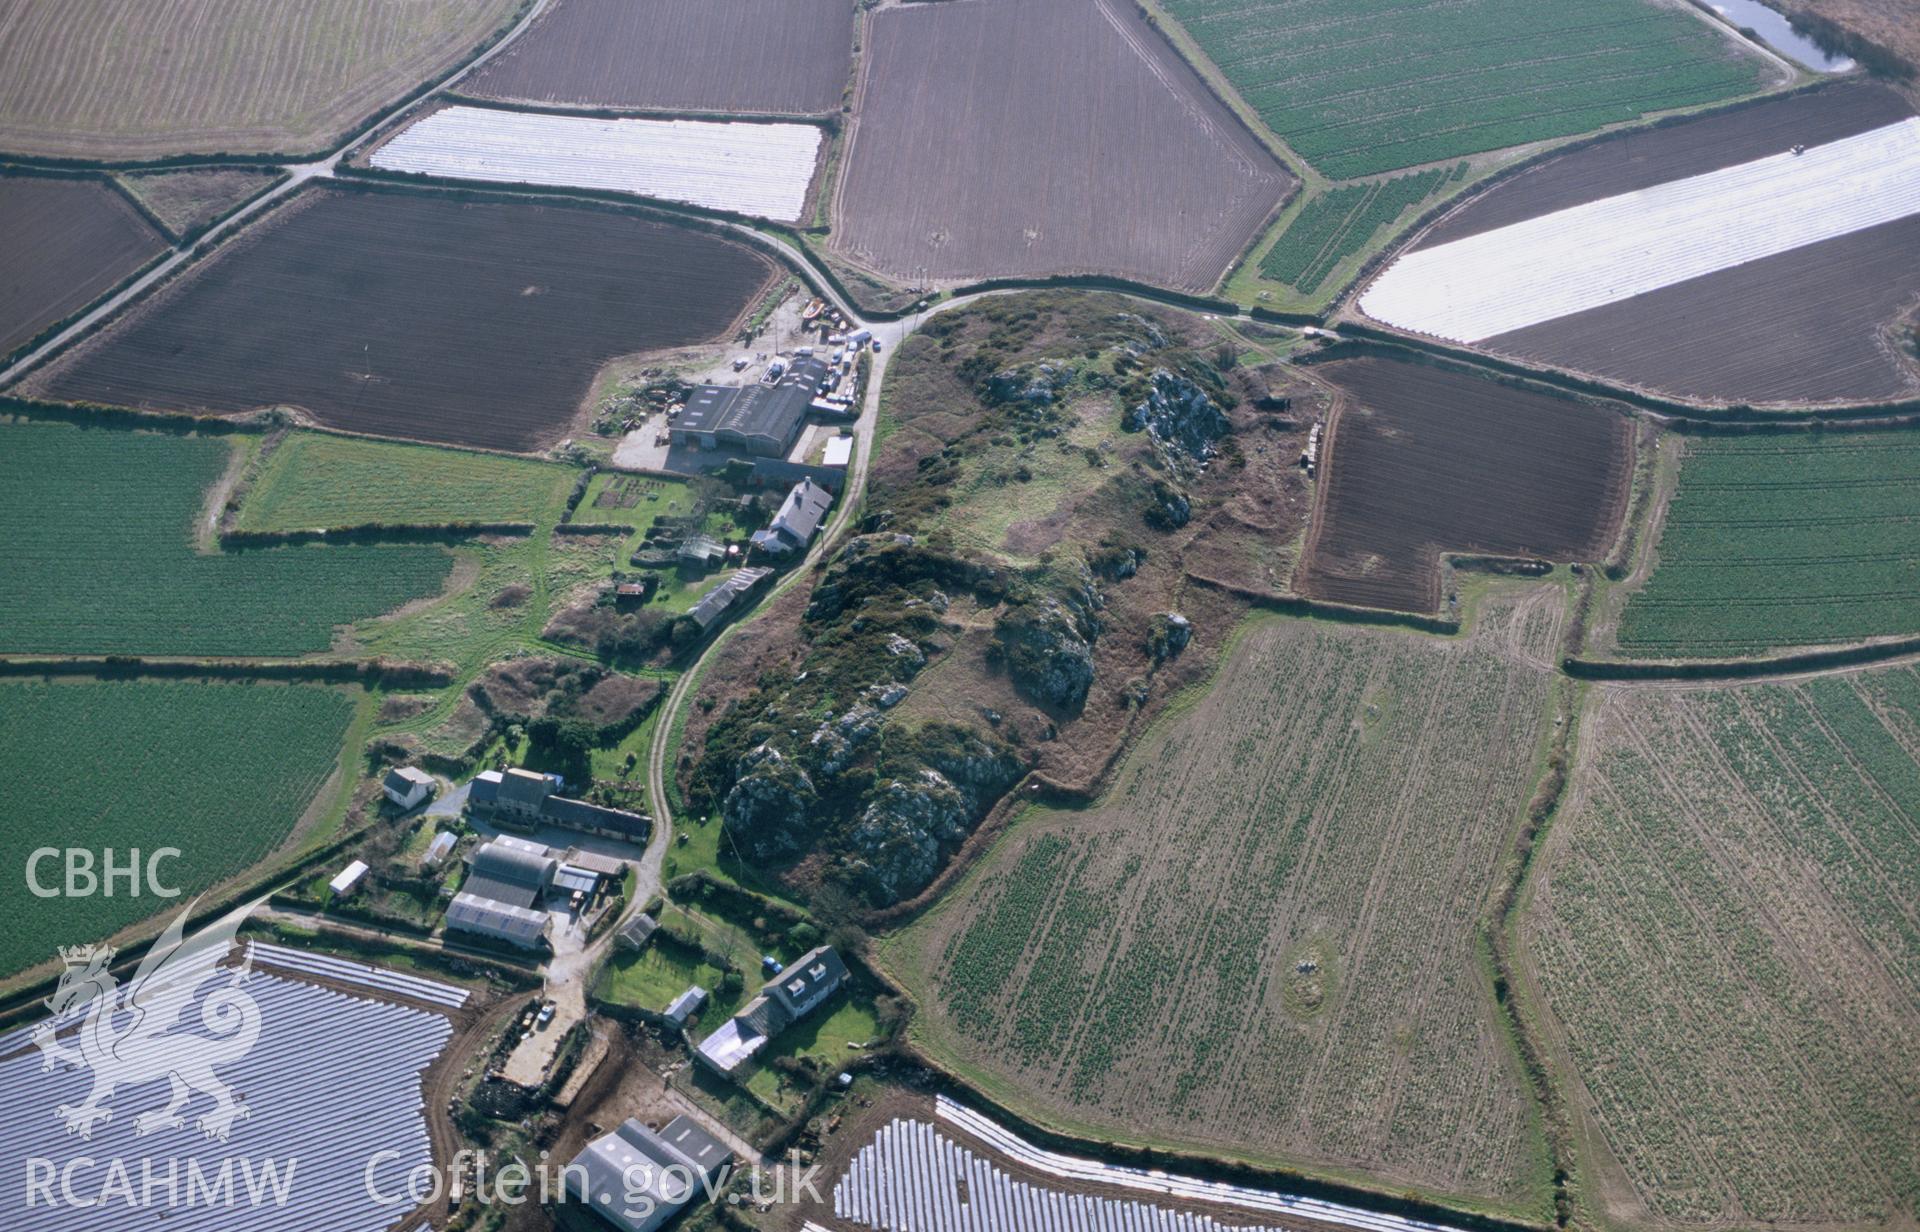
{"x":1815,"y":325}
{"x":418,"y":315}
{"x":788,"y":57}
{"x":1033,"y":137}
{"x":68,"y":241}
{"x":1811,"y":325}
{"x":1424,"y":461}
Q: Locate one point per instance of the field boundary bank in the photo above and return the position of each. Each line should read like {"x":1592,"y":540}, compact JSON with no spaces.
{"x":1321,"y":609}
{"x":353,"y":131}
{"x":1799,"y":662}
{"x":377,"y":532}
{"x":370,"y":673}
{"x":829,"y":120}
{"x":1357,"y":339}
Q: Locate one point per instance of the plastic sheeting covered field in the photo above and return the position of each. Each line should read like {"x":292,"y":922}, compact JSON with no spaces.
{"x":760,"y":169}
{"x":1619,"y":247}
{"x":332,"y":1081}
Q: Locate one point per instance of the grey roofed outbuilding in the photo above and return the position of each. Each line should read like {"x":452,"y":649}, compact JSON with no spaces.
{"x":583,"y":815}
{"x":524,"y":788}
{"x":401,"y":778}
{"x":686,"y":1005}
{"x":487,"y":917}
{"x":715,"y":602}
{"x":485,"y":788}
{"x":637,"y":1179}
{"x":636,"y":932}
{"x":761,"y":419}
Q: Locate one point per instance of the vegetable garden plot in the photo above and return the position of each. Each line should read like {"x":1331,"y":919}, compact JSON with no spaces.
{"x":1426,"y":460}
{"x":220,"y":771}
{"x":69,"y":241}
{"x":1337,"y":803}
{"x":1776,"y":541}
{"x":1362,"y":86}
{"x":1035,"y":137}
{"x":418,"y":315}
{"x":761,"y":169}
{"x":1724,"y":929}
{"x":1611,"y":250}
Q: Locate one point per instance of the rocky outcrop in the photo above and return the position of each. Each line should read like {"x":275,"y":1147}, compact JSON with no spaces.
{"x":1047,"y":653}
{"x":947,"y":778}
{"x":1171,"y":509}
{"x":766,"y":813}
{"x":833,"y":744}
{"x":1038,"y":384}
{"x":1168,"y":636}
{"x":1180,"y":416}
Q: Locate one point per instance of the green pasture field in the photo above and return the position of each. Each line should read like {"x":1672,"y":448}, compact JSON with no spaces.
{"x":318,"y":481}
{"x":652,"y":978}
{"x":99,"y":526}
{"x":1774,"y":541}
{"x":221,"y":771}
{"x":1357,"y":87}
{"x":1723,"y":929}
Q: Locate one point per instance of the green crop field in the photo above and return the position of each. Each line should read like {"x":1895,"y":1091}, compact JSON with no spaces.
{"x":1262,"y":941}
{"x":1340,"y":222}
{"x":1363,"y":86}
{"x":101,"y":560}
{"x":220,"y":771}
{"x":1726,"y":929}
{"x":318,"y":481}
{"x":1784,"y":541}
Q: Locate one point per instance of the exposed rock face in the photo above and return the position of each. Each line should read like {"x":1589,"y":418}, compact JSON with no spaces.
{"x":1170,"y":634}
{"x":834,"y":743}
{"x":1034,"y":384}
{"x":1182,"y":418}
{"x":1170,"y":509}
{"x":1047,"y":653}
{"x":908,"y":658}
{"x":766,"y":812}
{"x":912,"y":823}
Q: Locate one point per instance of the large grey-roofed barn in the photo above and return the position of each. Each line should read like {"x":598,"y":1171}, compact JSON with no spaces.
{"x":637,"y":1179}
{"x":510,"y":875}
{"x":488,"y":917}
{"x":761,"y":419}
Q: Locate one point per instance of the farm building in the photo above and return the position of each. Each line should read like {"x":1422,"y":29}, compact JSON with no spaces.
{"x":796,"y":992}
{"x":759,"y":419}
{"x":408,"y":786}
{"x":637,"y":1179}
{"x":500,"y":899}
{"x":714,"y":604}
{"x":686,"y":1005}
{"x":839,"y":451}
{"x":635,"y":933}
{"x":792,"y":529}
{"x":348,"y":880}
{"x":439,"y":849}
{"x":522,"y":798}
{"x":497,"y":921}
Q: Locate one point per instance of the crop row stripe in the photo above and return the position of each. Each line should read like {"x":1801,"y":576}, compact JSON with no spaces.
{"x":1613,"y":249}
